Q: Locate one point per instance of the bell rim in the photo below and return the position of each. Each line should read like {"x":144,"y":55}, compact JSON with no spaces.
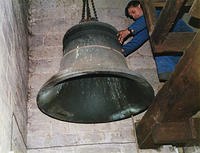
{"x":120,"y":73}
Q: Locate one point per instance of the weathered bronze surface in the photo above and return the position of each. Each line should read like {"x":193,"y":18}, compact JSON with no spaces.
{"x":94,"y":84}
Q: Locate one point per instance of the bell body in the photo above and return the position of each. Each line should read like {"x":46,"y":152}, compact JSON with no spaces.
{"x":94,"y":84}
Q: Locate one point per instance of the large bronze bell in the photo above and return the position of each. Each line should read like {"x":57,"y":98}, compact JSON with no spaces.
{"x":94,"y":84}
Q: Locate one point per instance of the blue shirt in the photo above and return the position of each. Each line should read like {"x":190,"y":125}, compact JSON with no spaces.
{"x":141,"y":35}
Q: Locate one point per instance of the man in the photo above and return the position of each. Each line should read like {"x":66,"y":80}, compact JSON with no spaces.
{"x":165,"y":64}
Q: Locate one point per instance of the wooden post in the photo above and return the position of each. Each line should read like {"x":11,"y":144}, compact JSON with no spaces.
{"x":195,"y":9}
{"x":161,"y":3}
{"x":149,"y":14}
{"x":177,"y":133}
{"x":165,"y":21}
{"x":161,"y":40}
{"x":150,"y":11}
{"x":178,"y":100}
{"x":175,"y":42}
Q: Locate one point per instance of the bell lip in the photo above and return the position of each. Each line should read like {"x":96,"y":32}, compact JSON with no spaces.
{"x":126,"y":73}
{"x":90,"y":122}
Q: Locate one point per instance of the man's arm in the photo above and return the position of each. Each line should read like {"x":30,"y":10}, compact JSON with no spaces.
{"x":136,"y":42}
{"x":137,"y":26}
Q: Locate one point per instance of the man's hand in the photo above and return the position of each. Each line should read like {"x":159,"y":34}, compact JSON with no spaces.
{"x":122,"y":34}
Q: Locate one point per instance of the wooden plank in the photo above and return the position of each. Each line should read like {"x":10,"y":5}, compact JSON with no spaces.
{"x":179,"y":133}
{"x":161,"y":3}
{"x":175,"y":42}
{"x":149,"y":14}
{"x":195,"y":126}
{"x":165,"y":21}
{"x":179,"y":98}
{"x":195,"y":9}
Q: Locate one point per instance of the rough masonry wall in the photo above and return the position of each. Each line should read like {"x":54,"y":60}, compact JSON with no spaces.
{"x":50,"y":19}
{"x":13,"y":76}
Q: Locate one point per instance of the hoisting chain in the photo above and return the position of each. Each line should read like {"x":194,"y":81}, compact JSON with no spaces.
{"x":83,"y":11}
{"x":88,"y":10}
{"x":86,"y":7}
{"x":94,"y":10}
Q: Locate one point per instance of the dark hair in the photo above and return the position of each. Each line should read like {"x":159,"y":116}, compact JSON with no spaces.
{"x":131,"y":3}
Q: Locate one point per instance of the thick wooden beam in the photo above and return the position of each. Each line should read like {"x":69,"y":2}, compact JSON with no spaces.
{"x":178,"y":100}
{"x":149,"y":14}
{"x":195,"y":9}
{"x":166,"y":20}
{"x":161,"y":3}
{"x":175,"y":42}
{"x":178,"y":133}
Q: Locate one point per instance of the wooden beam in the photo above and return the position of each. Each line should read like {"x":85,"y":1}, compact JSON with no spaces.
{"x":161,"y":3}
{"x":195,"y":9}
{"x":195,"y":125}
{"x":179,"y":98}
{"x":149,"y":14}
{"x":175,"y":42}
{"x":166,"y":20}
{"x":178,"y":133}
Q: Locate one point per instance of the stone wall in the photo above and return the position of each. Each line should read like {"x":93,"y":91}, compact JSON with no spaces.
{"x":50,"y":19}
{"x":13,"y":76}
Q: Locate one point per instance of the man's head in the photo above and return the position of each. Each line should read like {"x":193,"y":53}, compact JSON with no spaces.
{"x":133,"y":10}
